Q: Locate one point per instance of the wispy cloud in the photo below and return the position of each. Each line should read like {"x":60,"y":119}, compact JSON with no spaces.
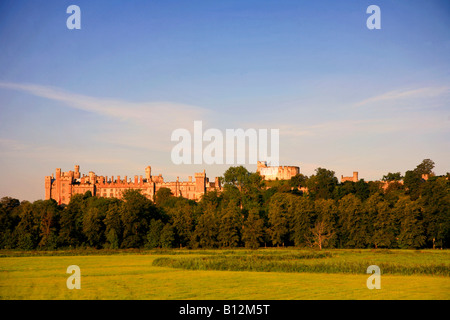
{"x":396,"y":95}
{"x":155,"y":114}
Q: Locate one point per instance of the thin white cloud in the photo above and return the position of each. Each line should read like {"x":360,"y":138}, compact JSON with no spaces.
{"x":156,"y":114}
{"x":395,"y":95}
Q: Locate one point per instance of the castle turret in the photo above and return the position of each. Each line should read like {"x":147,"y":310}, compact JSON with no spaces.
{"x":200,"y":183}
{"x":91,"y":177}
{"x":48,"y":187}
{"x":148,"y":173}
{"x":77,"y":172}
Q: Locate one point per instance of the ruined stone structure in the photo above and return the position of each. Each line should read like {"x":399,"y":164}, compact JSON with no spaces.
{"x":63,"y":185}
{"x":274,"y":173}
{"x":352,"y":179}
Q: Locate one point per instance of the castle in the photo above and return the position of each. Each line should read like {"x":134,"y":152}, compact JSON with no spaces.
{"x":352,"y":179}
{"x":274,"y":173}
{"x":63,"y":185}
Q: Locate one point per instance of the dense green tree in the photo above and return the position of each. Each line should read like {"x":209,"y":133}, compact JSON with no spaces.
{"x":167,"y":236}
{"x":411,"y":230}
{"x":322,"y":184}
{"x":136,"y":213}
{"x":362,"y":190}
{"x":71,"y":222}
{"x":298,"y":181}
{"x":27,"y":231}
{"x":382,"y":222}
{"x":425,"y":167}
{"x":324,"y":222}
{"x":300,"y":220}
{"x":163,"y":196}
{"x":206,"y":229}
{"x":354,"y":222}
{"x":113,"y":226}
{"x":154,"y":234}
{"x":253,"y":230}
{"x":182,"y":216}
{"x":345,"y":188}
{"x":413,"y":183}
{"x":279,"y":214}
{"x":237,"y":176}
{"x":9,"y":219}
{"x":396,"y":176}
{"x":435,"y":203}
{"x":48,"y":213}
{"x":230,"y":225}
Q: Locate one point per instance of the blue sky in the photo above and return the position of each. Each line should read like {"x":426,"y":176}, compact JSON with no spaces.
{"x":108,"y":96}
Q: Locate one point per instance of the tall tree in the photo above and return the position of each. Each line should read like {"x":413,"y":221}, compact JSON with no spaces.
{"x":253,"y":230}
{"x":182,"y":216}
{"x":163,"y":196}
{"x":167,"y":236}
{"x":321,"y":185}
{"x":300,"y":220}
{"x":325,"y":220}
{"x":354,"y":222}
{"x":279,"y":214}
{"x":321,"y":234}
{"x":154,"y":234}
{"x":48,"y":213}
{"x":71,"y":222}
{"x":237,"y":176}
{"x":381,"y":220}
{"x":411,"y":229}
{"x":136,"y":212}
{"x":9,"y":219}
{"x":425,"y":167}
{"x":27,"y":231}
{"x":113,"y":225}
{"x":206,"y":230}
{"x":435,"y":203}
{"x":230,"y":225}
{"x":396,"y":176}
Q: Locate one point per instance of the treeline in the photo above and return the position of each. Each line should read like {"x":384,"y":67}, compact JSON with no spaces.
{"x":410,"y":213}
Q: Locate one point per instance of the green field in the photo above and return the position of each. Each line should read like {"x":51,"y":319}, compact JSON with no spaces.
{"x":268,"y":274}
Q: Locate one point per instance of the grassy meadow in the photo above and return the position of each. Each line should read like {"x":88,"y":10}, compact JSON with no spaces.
{"x":268,"y":274}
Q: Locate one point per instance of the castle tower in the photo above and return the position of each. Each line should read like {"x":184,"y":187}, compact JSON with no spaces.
{"x":91,"y":177}
{"x":57,"y":195}
{"x":48,"y":187}
{"x":77,"y":172}
{"x":355,"y":176}
{"x":148,"y":173}
{"x":200,"y":184}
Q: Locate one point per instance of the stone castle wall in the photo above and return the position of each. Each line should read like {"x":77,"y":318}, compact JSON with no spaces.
{"x":63,"y":185}
{"x":274,"y":173}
